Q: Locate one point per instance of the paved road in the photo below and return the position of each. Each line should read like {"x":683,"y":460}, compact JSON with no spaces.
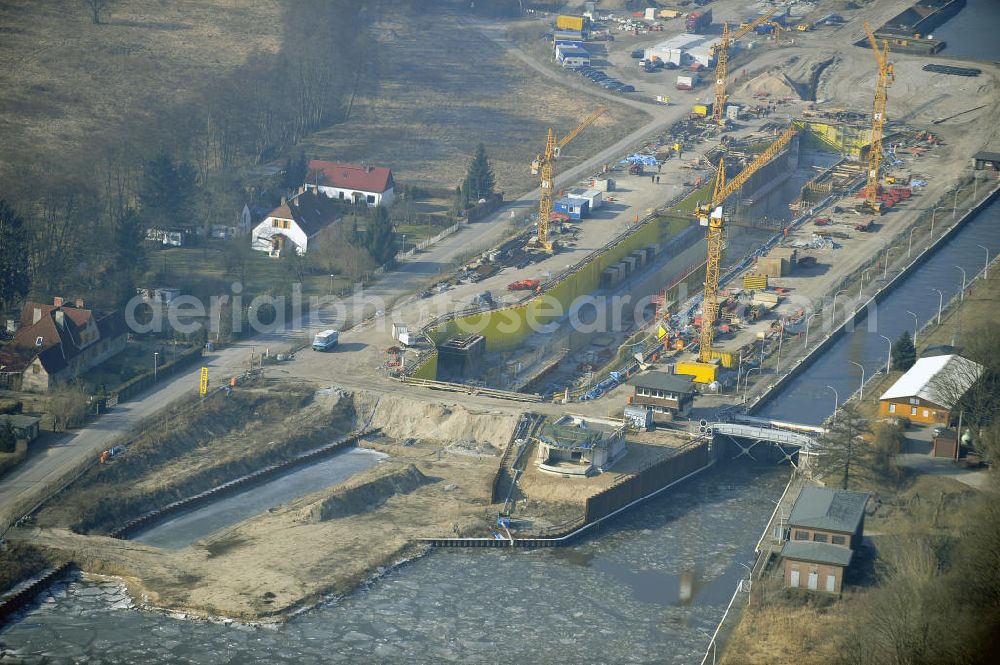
{"x":30,"y":483}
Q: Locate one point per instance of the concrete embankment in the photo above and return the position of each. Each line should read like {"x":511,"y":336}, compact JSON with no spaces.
{"x":26,"y":591}
{"x":869,"y":307}
{"x":629,"y":492}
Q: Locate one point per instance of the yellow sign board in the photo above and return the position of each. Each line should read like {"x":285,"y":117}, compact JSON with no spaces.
{"x":661,"y":332}
{"x":203,"y":386}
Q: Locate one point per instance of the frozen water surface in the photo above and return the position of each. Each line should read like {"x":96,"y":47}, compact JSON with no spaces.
{"x":613,"y":598}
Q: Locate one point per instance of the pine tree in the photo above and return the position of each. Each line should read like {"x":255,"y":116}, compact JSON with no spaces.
{"x":295,"y":171}
{"x":904,"y":354}
{"x":380,"y":237}
{"x":480,"y":180}
{"x":14,"y":277}
{"x":129,"y":254}
{"x":168,"y":192}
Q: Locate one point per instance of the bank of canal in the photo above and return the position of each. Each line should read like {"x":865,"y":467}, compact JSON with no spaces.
{"x":648,"y":589}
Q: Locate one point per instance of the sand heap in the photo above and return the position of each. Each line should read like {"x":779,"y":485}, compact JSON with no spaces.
{"x":775,"y":84}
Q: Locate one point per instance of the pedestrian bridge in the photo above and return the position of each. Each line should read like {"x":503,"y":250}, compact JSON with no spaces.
{"x":748,"y":431}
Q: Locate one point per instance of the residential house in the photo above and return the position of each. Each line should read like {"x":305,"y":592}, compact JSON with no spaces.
{"x":55,"y":343}
{"x":666,"y":395}
{"x":825,"y":529}
{"x":928,"y":392}
{"x":295,"y":223}
{"x":353,"y":183}
{"x":574,"y":446}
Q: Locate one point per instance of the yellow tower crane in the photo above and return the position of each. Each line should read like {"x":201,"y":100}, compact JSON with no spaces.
{"x":885,"y":77}
{"x":722,"y":62}
{"x":543,"y":166}
{"x":710,"y":215}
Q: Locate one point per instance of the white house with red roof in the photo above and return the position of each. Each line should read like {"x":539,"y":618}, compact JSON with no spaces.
{"x":296,"y":223}
{"x":354,"y":183}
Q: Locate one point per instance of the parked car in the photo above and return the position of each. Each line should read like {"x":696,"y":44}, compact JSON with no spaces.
{"x":671,"y":65}
{"x":610,"y":84}
{"x":627,"y":88}
{"x":639,"y":53}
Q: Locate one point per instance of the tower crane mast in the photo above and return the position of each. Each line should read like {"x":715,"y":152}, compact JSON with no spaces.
{"x":885,"y":77}
{"x":710,"y":215}
{"x":722,"y":62}
{"x":543,"y":166}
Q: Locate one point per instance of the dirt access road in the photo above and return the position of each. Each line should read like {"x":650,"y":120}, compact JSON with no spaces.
{"x":35,"y":480}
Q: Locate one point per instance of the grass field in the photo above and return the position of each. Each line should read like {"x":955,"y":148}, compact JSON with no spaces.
{"x":444,"y":87}
{"x":65,"y":79}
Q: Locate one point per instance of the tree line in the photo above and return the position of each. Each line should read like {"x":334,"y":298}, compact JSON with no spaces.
{"x":76,"y":222}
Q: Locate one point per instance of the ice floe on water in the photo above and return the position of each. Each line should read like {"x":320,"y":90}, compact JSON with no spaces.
{"x":648,"y":589}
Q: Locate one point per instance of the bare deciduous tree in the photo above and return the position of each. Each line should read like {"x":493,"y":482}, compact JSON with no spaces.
{"x":96,"y":8}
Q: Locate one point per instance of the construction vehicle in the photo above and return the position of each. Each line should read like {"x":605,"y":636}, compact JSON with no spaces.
{"x":885,"y":77}
{"x":805,"y":27}
{"x":543,"y":166}
{"x":524,"y":285}
{"x":722,"y":62}
{"x":698,"y":21}
{"x":710,"y":215}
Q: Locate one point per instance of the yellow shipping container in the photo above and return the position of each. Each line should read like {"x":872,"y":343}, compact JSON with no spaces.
{"x":700,"y":109}
{"x":570,"y":23}
{"x":702,"y":372}
{"x":669,"y":13}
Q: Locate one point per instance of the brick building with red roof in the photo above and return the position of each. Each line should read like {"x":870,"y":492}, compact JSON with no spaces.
{"x":55,"y":343}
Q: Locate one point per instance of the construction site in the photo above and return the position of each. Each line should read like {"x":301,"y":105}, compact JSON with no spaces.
{"x":561,"y":369}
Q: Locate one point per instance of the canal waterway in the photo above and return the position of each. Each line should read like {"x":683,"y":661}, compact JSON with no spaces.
{"x":972,"y":33}
{"x":648,"y":589}
{"x":188,"y":527}
{"x":806,"y":398}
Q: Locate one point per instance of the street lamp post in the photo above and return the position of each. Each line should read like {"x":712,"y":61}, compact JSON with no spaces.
{"x":885,"y":268}
{"x":746,"y":383}
{"x":962,"y":295}
{"x":861,"y":392}
{"x":739,"y":373}
{"x":331,"y":285}
{"x":781,"y":336}
{"x":808,"y":321}
{"x":940,"y":303}
{"x":915,"y":324}
{"x":909,"y":246}
{"x":836,"y":402}
{"x":156,"y":355}
{"x":889,"y":357}
{"x":835,"y":301}
{"x":986,"y":267}
{"x":862,"y":286}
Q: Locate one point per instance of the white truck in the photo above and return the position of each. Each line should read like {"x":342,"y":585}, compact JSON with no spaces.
{"x":325,"y":340}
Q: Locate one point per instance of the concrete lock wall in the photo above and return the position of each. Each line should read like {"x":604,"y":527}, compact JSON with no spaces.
{"x":427,"y":369}
{"x":648,"y":480}
{"x":844,"y":138}
{"x":507,"y":328}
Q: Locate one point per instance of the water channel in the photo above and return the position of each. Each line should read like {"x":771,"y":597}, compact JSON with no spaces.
{"x":806,"y":398}
{"x":972,"y":33}
{"x":187,"y":527}
{"x":649,"y":589}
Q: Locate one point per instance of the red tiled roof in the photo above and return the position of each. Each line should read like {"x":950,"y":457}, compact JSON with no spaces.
{"x":376,"y":179}
{"x":58,"y":344}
